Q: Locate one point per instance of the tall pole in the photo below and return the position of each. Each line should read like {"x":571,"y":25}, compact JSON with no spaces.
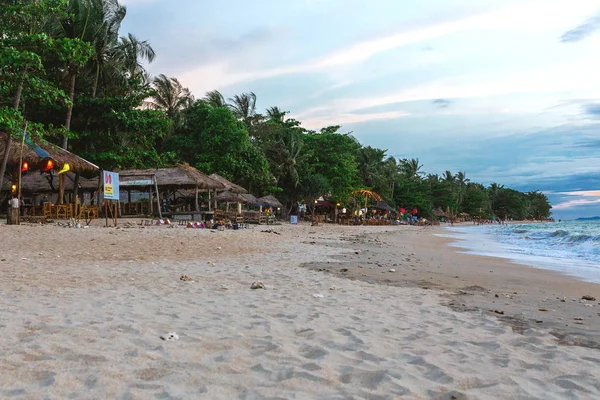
{"x":20,"y":172}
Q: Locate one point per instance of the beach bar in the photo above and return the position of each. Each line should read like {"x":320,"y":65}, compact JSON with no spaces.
{"x":38,"y":168}
{"x":170,"y":185}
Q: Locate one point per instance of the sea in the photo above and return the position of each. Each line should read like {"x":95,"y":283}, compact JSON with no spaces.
{"x":569,"y":247}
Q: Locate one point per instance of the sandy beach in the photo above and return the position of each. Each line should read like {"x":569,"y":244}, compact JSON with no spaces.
{"x":346,"y":313}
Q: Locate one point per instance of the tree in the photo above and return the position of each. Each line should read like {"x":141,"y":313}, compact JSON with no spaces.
{"x":461,"y":182}
{"x":276,"y":114}
{"x":171,"y":97}
{"x":243,"y":107}
{"x":213,"y":140}
{"x":215,"y":99}
{"x":130,"y":52}
{"x":23,"y":48}
{"x":333,"y":155}
{"x":411,"y":168}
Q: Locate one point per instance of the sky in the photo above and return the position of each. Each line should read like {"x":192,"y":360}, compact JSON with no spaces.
{"x":507,"y":91}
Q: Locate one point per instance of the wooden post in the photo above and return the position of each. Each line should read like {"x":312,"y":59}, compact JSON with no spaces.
{"x":196,"y":204}
{"x":151,"y":199}
{"x":100,"y":183}
{"x":61,"y":188}
{"x":20,"y":173}
{"x":209,"y":202}
{"x":106,"y":211}
{"x":157,"y":196}
{"x":76,"y":195}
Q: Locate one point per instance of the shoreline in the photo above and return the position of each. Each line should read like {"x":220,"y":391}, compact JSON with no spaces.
{"x":87,"y":309}
{"x":472,"y":282}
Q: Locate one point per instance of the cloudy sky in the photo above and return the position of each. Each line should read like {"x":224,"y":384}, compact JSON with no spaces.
{"x":508,"y":91}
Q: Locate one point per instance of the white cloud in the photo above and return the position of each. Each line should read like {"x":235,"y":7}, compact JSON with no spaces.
{"x":531,"y":16}
{"x":350,"y":118}
{"x":583,"y":193}
{"x":575,"y":203}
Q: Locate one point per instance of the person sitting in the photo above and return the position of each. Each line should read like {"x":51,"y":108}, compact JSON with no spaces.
{"x":44,"y":200}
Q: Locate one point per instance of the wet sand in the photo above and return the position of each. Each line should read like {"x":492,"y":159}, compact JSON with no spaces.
{"x":83,"y":310}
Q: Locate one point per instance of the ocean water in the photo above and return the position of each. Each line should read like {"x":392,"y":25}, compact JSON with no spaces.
{"x":570,"y":247}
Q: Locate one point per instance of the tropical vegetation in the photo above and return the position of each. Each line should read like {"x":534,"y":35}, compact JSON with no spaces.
{"x":80,"y":82}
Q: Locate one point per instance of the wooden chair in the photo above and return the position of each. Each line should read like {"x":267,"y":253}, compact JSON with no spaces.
{"x":47,"y":210}
{"x":62,"y":211}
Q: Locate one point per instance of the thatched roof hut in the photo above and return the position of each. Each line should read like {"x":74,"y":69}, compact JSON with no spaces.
{"x":250,"y":199}
{"x":37,"y":151}
{"x":181,"y":176}
{"x":438,"y":213}
{"x":230,"y":186}
{"x":270,"y":200}
{"x":230,"y":197}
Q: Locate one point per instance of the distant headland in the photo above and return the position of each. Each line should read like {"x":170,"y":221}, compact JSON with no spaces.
{"x":597,"y":218}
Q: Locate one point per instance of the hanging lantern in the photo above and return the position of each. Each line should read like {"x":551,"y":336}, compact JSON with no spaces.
{"x":25,"y":167}
{"x":49,"y":165}
{"x":402,"y":211}
{"x":64,"y":169}
{"x":414,"y":211}
{"x":13,"y":188}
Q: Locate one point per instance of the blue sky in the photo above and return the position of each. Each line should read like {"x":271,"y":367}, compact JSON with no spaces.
{"x":508,"y":91}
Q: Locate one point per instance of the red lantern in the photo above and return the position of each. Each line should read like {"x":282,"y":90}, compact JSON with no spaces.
{"x":402,"y":211}
{"x":24,"y":167}
{"x":414,"y":211}
{"x":49,"y":165}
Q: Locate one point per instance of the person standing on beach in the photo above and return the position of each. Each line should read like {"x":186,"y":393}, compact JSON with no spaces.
{"x":13,"y":211}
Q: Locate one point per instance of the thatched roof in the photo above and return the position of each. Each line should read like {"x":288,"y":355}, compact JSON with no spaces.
{"x":36,"y":182}
{"x":250,"y":199}
{"x":438,"y":212}
{"x":230,"y":197}
{"x":181,"y":176}
{"x":382,"y":205}
{"x":270,"y":200}
{"x":230,"y":186}
{"x":37,"y":150}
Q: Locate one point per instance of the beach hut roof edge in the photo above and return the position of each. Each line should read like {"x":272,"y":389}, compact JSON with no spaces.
{"x":179,"y":176}
{"x":230,"y":186}
{"x":37,"y":149}
{"x":270,"y":200}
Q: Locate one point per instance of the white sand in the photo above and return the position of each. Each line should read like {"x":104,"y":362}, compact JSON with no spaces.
{"x":76,"y":328}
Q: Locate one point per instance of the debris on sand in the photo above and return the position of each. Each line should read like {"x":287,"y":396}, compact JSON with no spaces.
{"x":171,"y":336}
{"x":257,"y":285}
{"x":271,"y":231}
{"x":186,"y":278}
{"x":588,"y":298}
{"x":318,"y":296}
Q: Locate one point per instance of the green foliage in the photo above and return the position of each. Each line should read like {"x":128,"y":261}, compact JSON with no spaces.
{"x":213,"y":140}
{"x":333,"y":156}
{"x":58,"y":55}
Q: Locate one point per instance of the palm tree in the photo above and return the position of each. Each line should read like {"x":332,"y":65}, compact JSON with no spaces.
{"x":171,"y":97}
{"x":461,"y":186}
{"x":449,"y":177}
{"x":411,"y":168}
{"x":85,"y":18}
{"x":244,"y":107}
{"x":106,"y":39}
{"x":276,"y":114}
{"x":215,"y":99}
{"x":285,"y":155}
{"x":131,"y":52}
